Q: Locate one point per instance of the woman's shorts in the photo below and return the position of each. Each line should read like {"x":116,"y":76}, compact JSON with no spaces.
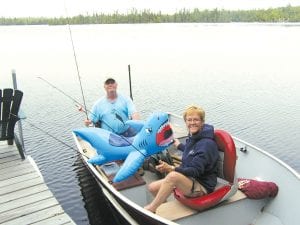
{"x":197,"y":189}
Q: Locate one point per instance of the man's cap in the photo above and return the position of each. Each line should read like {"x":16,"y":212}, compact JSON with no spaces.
{"x":109,"y":81}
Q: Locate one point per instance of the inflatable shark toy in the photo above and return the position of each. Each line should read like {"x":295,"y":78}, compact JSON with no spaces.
{"x":153,"y":135}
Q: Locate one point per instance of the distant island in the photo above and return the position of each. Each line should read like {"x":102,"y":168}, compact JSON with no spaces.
{"x":272,"y":15}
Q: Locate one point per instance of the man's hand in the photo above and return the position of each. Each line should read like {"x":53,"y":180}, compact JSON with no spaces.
{"x":87,"y":122}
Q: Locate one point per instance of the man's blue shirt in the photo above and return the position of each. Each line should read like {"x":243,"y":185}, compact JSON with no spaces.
{"x":113,"y":114}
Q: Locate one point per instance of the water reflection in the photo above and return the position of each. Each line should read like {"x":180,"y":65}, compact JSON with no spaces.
{"x":98,"y":209}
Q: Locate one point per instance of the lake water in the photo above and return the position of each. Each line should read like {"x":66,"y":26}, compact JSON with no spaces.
{"x":246,"y":77}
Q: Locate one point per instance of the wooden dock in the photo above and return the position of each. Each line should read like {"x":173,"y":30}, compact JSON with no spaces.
{"x":24,"y":196}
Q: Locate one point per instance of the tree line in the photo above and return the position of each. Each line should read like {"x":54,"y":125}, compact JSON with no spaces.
{"x":280,"y":14}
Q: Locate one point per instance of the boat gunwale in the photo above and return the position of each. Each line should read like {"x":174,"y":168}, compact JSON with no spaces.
{"x":279,"y":161}
{"x":117,"y":193}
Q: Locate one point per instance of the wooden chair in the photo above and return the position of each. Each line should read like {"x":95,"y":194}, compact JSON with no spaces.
{"x":10,"y":101}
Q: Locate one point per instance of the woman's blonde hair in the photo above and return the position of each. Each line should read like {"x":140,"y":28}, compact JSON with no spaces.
{"x":194,"y":109}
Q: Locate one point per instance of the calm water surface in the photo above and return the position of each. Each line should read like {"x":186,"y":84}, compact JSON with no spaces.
{"x":246,"y":77}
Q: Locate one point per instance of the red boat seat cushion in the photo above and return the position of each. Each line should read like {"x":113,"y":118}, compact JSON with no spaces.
{"x":226,"y":169}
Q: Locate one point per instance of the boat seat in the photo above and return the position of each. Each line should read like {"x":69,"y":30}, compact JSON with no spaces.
{"x":227,"y":185}
{"x":10,"y":101}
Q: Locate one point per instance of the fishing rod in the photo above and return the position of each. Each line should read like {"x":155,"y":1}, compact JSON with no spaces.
{"x":45,"y":132}
{"x":78,"y":75}
{"x":50,"y":135}
{"x":129,"y":74}
{"x":61,"y":91}
{"x":78,"y":104}
{"x":75,"y":58}
{"x":130,"y":90}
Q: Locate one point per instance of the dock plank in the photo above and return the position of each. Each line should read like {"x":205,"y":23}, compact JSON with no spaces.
{"x":57,"y":220}
{"x":7,"y":148}
{"x":13,"y":173}
{"x":9,"y":158}
{"x":11,"y":163}
{"x":25,"y":201}
{"x":28,"y":209}
{"x":24,"y":197}
{"x":8,"y":154}
{"x":36,"y":216}
{"x":22,"y":193}
{"x":18,"y":179}
{"x":20,"y":186}
{"x":16,"y":170}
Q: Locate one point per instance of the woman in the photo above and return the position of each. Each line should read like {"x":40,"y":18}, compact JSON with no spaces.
{"x":197,"y":174}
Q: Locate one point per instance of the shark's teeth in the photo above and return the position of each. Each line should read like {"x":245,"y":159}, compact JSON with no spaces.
{"x":163,"y":126}
{"x":164,"y":139}
{"x":167,"y":142}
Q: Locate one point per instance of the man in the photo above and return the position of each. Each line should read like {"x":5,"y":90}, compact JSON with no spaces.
{"x":113,"y":110}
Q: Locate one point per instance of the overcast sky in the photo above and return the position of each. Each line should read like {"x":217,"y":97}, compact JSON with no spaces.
{"x":56,"y":8}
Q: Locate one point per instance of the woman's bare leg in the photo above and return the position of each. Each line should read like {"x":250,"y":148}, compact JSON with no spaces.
{"x":165,"y":187}
{"x":155,"y":186}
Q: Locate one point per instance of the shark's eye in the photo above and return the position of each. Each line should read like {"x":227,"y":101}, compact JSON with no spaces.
{"x":148,"y":130}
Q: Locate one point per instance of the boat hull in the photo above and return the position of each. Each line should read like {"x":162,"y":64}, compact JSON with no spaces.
{"x":252,"y":163}
{"x":131,"y":213}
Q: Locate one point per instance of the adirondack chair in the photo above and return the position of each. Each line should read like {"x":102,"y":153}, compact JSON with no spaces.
{"x":10,"y":101}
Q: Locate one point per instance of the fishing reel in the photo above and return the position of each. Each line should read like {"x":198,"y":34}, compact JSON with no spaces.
{"x":151,"y":162}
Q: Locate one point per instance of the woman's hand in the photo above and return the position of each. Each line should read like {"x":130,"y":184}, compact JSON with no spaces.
{"x":164,"y":167}
{"x":176,"y":142}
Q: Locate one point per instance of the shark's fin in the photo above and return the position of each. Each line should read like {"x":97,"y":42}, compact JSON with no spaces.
{"x":132,"y":163}
{"x":96,"y":137}
{"x":135,"y":124}
{"x":97,"y":160}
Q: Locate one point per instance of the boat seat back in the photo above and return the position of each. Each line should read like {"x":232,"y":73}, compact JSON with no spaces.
{"x":227,"y":186}
{"x":227,"y":161}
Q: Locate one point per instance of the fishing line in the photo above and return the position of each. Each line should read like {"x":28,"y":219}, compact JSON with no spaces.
{"x":69,"y":146}
{"x":45,"y":132}
{"x":50,"y":135}
{"x":78,"y":75}
{"x":61,"y":91}
{"x":124,"y":138}
{"x":76,"y":63}
{"x":77,"y":103}
{"x":55,"y":138}
{"x":86,"y":111}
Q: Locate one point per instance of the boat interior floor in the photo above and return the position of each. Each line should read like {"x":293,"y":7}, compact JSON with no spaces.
{"x":141,"y":196}
{"x":136,"y":190}
{"x":179,"y":210}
